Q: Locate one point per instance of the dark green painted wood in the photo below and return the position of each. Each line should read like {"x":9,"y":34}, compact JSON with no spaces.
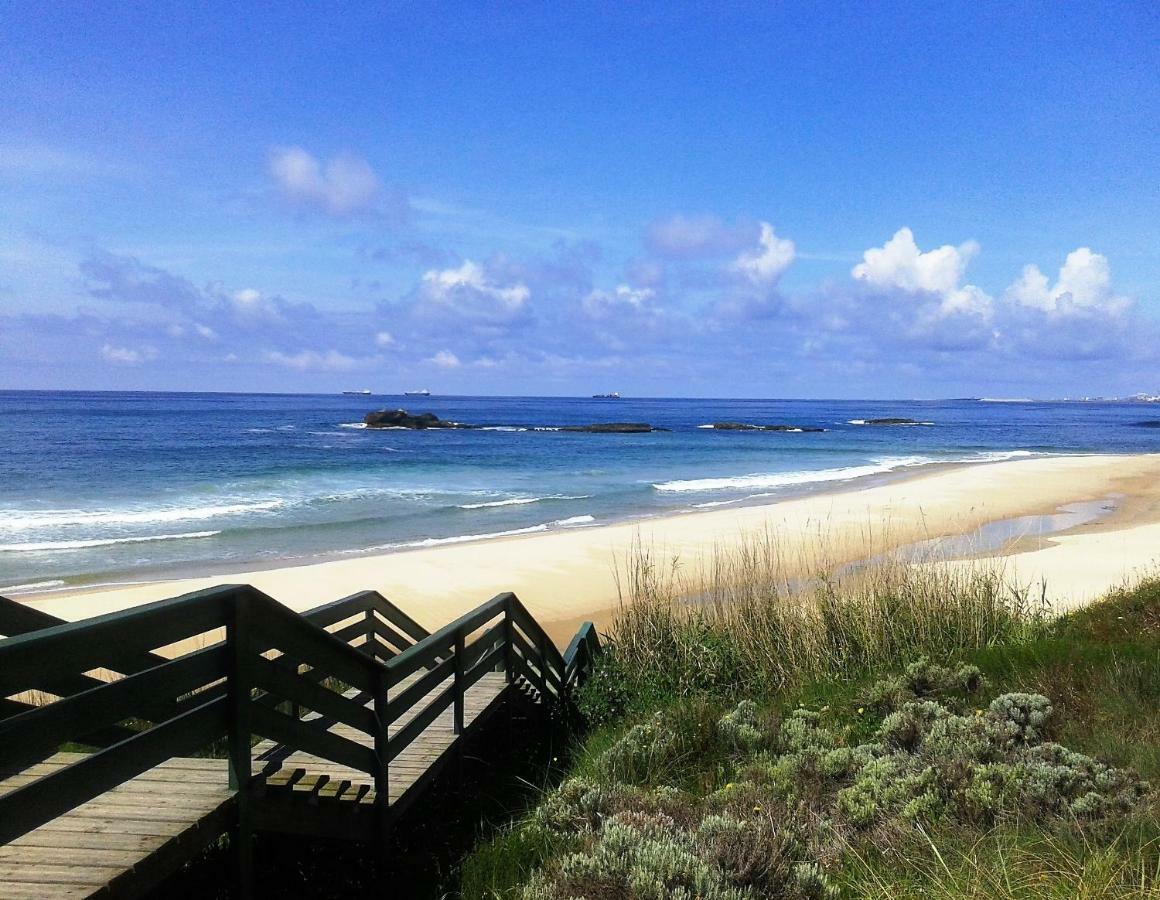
{"x":418,"y":725}
{"x":53,"y":795}
{"x":415,"y":692}
{"x":37,"y":733}
{"x":304,"y":735}
{"x":286,"y":686}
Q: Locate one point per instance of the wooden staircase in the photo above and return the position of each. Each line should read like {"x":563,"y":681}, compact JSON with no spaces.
{"x":130,"y":741}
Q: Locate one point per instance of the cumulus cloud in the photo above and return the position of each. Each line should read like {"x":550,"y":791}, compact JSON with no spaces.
{"x":899,"y":265}
{"x":319,"y":361}
{"x":445,"y":359}
{"x":127,"y":356}
{"x":768,"y":262}
{"x":344,"y":186}
{"x":473,"y":292}
{"x":1084,"y":284}
{"x":384,"y":339}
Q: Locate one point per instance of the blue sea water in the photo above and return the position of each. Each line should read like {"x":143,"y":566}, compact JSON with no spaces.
{"x":113,"y":487}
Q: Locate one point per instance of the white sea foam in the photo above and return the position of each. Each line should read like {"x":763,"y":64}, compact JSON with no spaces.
{"x":28,"y":520}
{"x":789,"y":479}
{"x":704,"y":426}
{"x":500,"y":428}
{"x":49,"y":546}
{"x":352,"y":425}
{"x":894,"y":424}
{"x":1000,"y":456}
{"x":815,"y":476}
{"x":32,"y":587}
{"x":573,"y":522}
{"x":519,"y":501}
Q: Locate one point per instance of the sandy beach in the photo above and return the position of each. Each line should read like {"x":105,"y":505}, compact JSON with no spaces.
{"x":568,"y":576}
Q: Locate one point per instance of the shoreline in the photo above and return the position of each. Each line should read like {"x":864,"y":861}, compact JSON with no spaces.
{"x":224,"y":569}
{"x":566,"y":576}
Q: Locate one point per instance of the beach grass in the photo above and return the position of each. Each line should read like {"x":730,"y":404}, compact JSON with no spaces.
{"x":743,"y":622}
{"x":902,"y":731}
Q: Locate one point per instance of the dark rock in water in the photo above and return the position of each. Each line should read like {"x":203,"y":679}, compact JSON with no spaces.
{"x":614,"y":428}
{"x":892,"y":421}
{"x":400,"y":418}
{"x":1148,"y":423}
{"x":745,"y":426}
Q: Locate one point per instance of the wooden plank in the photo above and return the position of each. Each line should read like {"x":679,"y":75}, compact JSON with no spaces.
{"x":43,"y":891}
{"x":295,"y":733}
{"x":314,"y":646}
{"x":69,"y":856}
{"x":412,"y":729}
{"x":81,"y":646}
{"x":285,"y":685}
{"x":56,"y":793}
{"x":33,"y":734}
{"x":420,"y":687}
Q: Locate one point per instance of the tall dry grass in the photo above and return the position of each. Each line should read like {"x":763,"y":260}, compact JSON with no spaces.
{"x":748,"y":616}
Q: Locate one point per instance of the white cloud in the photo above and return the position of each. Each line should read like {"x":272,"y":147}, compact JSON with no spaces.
{"x":1084,"y":283}
{"x":445,"y":359}
{"x":205,"y":331}
{"x":344,"y":186}
{"x":251,"y":306}
{"x":127,"y":356}
{"x":473,"y":293}
{"x":766,"y":263}
{"x":319,"y":361}
{"x":600,"y":303}
{"x":247,"y":297}
{"x":443,"y":284}
{"x":900,"y":265}
{"x":384,"y":339}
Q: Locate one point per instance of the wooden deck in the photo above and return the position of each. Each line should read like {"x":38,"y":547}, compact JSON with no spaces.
{"x":134,"y":834}
{"x":143,"y":828}
{"x":334,"y":722}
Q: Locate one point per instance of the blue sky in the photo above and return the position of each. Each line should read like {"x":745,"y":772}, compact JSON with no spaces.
{"x":806,"y":200}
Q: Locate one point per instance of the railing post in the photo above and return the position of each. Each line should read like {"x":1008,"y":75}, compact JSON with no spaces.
{"x":543,"y":677}
{"x":370,"y":643}
{"x":459,"y":679}
{"x":241,"y":760}
{"x":509,"y":642}
{"x":382,"y":749}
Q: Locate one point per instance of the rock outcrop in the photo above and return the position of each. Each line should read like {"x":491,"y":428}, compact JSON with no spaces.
{"x":400,"y":418}
{"x":746,"y":426}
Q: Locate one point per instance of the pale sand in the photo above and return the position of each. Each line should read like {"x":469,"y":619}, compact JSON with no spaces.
{"x":568,"y":576}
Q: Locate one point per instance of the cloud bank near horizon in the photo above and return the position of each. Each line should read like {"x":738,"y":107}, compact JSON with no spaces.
{"x":693,"y":299}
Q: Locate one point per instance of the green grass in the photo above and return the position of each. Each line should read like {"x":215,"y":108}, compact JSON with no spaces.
{"x":661,"y":768}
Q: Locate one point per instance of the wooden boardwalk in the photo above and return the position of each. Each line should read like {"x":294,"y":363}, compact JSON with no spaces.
{"x":325,"y":767}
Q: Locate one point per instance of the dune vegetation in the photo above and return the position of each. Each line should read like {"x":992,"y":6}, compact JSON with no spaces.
{"x":901,"y":731}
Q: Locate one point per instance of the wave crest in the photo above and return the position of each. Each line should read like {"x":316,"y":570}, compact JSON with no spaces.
{"x":52,"y":546}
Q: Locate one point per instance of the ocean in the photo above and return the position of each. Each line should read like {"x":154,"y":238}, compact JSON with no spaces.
{"x":105,"y":488}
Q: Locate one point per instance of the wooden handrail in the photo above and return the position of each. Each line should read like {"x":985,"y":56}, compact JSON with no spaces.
{"x":236,"y":690}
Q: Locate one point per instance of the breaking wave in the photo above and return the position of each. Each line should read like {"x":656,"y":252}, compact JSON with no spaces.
{"x":51,"y":546}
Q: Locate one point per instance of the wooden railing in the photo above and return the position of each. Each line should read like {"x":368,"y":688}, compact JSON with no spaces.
{"x":230,"y":665}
